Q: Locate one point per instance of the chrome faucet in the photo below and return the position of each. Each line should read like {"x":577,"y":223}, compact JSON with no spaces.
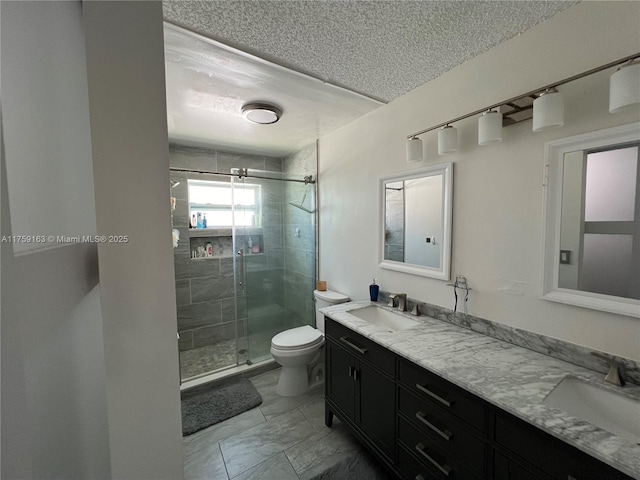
{"x":402,"y":301}
{"x":613,"y":375}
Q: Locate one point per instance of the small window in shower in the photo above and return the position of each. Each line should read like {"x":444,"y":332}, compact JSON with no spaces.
{"x":219,"y":205}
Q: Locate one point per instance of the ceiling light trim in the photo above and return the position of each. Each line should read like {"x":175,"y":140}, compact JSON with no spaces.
{"x":261,"y":113}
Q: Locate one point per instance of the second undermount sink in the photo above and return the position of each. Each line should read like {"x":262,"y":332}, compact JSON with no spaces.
{"x":384,"y":318}
{"x":604,"y":408}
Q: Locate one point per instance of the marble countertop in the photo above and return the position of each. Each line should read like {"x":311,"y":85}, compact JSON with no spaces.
{"x":513,"y":378}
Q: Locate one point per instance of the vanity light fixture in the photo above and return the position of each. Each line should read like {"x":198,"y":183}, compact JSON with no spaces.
{"x":624,"y":87}
{"x":261,"y":113}
{"x":414,"y":149}
{"x":548,"y":110}
{"x":447,"y":140}
{"x":548,"y":106}
{"x":490,"y":127}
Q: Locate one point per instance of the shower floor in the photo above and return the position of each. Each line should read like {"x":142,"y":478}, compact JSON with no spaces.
{"x":207,"y":359}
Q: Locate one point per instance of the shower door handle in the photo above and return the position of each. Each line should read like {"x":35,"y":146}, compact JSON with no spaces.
{"x":241,"y":255}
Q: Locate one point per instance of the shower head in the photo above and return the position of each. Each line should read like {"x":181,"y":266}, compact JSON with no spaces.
{"x":174,"y":184}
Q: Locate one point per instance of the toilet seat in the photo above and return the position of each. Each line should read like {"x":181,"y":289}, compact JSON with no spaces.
{"x":297,"y":338}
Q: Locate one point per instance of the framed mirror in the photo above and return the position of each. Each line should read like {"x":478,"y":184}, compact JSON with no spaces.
{"x":591,"y":240}
{"x":415,"y":221}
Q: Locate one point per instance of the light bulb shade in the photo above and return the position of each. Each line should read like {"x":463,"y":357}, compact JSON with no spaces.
{"x":447,"y":140}
{"x":548,"y":110}
{"x":624,"y":87}
{"x":261,"y":113}
{"x":490,"y":128}
{"x":414,"y":150}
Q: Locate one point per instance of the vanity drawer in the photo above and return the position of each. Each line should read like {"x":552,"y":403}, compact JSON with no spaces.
{"x":435,"y":462}
{"x":444,"y":394}
{"x":361,"y":347}
{"x":410,"y":468}
{"x":445,"y":430}
{"x":553,"y":457}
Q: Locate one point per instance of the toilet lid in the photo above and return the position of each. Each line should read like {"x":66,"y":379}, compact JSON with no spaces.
{"x":299,"y":337}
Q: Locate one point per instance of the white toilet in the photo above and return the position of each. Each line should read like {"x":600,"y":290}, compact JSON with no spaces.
{"x":299,"y":350}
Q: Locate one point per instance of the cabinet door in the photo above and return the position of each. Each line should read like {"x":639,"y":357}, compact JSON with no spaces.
{"x":376,"y":406}
{"x":341,"y":386}
{"x":507,"y":469}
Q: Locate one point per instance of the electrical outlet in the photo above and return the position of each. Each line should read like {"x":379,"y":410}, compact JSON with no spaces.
{"x":461,"y":281}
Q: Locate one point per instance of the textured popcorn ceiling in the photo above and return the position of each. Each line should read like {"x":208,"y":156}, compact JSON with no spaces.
{"x":382,"y":49}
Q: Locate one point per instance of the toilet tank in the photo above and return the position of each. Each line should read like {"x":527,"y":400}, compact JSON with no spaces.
{"x":326,"y":299}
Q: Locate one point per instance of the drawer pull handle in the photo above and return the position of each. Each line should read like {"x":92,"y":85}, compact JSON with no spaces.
{"x":419,"y":477}
{"x":353,"y":345}
{"x":446,"y":469}
{"x":444,"y":402}
{"x":444,"y":434}
{"x":351,"y":370}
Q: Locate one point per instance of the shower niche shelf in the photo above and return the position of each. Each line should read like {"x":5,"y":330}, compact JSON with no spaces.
{"x":221,"y":239}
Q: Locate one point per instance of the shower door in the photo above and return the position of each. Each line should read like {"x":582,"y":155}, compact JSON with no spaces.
{"x":274,"y":268}
{"x":245,"y":273}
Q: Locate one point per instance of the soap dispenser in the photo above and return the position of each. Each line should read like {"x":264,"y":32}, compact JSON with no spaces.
{"x":373,"y":291}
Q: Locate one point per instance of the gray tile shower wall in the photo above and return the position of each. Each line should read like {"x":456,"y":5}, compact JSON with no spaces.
{"x":206,"y":308}
{"x":568,"y":352}
{"x":394,"y":221}
{"x":300,"y":236}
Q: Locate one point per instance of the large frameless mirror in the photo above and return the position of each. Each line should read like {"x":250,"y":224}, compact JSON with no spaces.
{"x":416,"y":221}
{"x":592,"y":226}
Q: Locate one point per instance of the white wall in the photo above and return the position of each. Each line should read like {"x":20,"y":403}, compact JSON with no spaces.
{"x":90,"y":385}
{"x":45,"y":98}
{"x":54,"y":412}
{"x":125,"y":63}
{"x":571,"y":226}
{"x":497,"y":206}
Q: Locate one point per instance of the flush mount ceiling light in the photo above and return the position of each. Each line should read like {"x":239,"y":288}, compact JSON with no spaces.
{"x":262,"y":113}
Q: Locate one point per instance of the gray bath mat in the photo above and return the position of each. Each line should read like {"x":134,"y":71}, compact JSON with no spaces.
{"x":207,"y":405}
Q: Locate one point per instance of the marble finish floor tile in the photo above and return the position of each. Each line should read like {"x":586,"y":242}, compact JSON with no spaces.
{"x":227,"y":428}
{"x":314,"y":413}
{"x":203,"y":461}
{"x":291,"y":445}
{"x":274,"y":404}
{"x":275,"y":468}
{"x":322,"y":451}
{"x":255,"y":445}
{"x":266,"y":380}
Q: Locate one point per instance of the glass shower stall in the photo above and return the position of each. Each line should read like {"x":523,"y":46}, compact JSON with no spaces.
{"x":245,"y":264}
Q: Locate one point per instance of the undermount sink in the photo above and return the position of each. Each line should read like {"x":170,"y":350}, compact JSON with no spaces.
{"x":375,"y":315}
{"x":604,"y":408}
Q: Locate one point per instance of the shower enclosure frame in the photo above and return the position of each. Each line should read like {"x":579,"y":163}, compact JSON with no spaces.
{"x":242,"y":283}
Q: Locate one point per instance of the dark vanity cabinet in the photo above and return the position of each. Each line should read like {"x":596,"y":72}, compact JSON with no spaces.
{"x":422,"y":426}
{"x":360,"y":387}
{"x":442,"y":426}
{"x":523,"y":451}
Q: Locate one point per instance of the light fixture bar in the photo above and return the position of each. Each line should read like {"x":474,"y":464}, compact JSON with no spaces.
{"x":528,"y":94}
